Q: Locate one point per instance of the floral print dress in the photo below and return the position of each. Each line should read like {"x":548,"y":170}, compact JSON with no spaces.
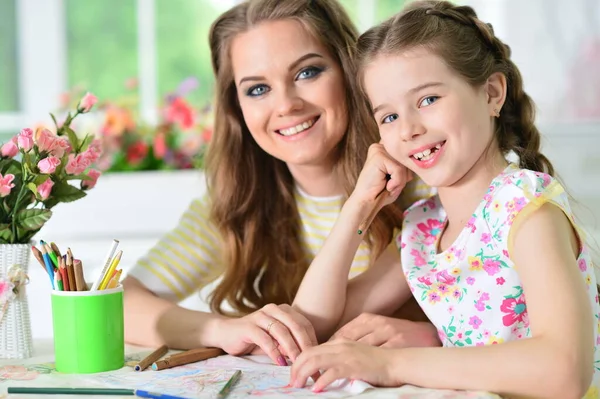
{"x":471,"y":291}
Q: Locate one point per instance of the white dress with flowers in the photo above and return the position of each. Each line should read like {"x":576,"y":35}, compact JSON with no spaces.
{"x":472,"y":292}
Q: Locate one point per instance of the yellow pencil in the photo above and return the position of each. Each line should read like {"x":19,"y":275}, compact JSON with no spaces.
{"x":110,"y":270}
{"x":114,"y":282}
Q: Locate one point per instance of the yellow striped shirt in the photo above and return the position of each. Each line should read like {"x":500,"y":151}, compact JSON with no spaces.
{"x":187,"y":258}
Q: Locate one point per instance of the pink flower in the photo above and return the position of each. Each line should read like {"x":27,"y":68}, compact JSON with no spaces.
{"x":486,"y":238}
{"x":475,"y":322}
{"x":431,"y":229}
{"x":89,"y":184}
{"x":500,"y":281}
{"x":471,"y":224}
{"x":424,"y":280}
{"x":505,"y":253}
{"x":491,"y":266}
{"x":45,"y":140}
{"x":582,"y":264}
{"x":444,"y":277}
{"x":87,"y":102}
{"x":45,"y":189}
{"x":178,"y":111}
{"x":90,"y":155}
{"x":480,"y":306}
{"x":6,"y":184}
{"x":470,"y":280}
{"x":25,"y":139}
{"x":48,"y":165}
{"x":77,"y":164}
{"x":9,"y":149}
{"x":515,"y":309}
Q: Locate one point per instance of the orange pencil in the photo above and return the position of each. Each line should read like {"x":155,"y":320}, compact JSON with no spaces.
{"x":63,"y":273}
{"x":114,"y":281}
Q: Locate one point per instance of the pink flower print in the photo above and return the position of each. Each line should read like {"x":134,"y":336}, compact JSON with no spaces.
{"x":475,"y":263}
{"x":442,"y":335}
{"x":451,"y":309}
{"x":444,"y":277}
{"x":582,"y":265}
{"x":48,"y":165}
{"x":419,"y":260}
{"x":480,"y":306}
{"x":505,"y":253}
{"x":475,"y":322}
{"x":25,"y":139}
{"x":402,"y":245}
{"x":485,"y":296}
{"x":424,"y":280}
{"x":486,"y":334}
{"x":486,"y":238}
{"x":430,"y":203}
{"x":17,"y":373}
{"x":9,"y":149}
{"x":491,"y":266}
{"x":433,"y":297}
{"x":488,"y":199}
{"x":6,"y":184}
{"x":457,"y":293}
{"x":443,"y":289}
{"x":500,"y":281}
{"x":471,"y":224}
{"x":45,"y":189}
{"x":515,"y":310}
{"x":520,"y":203}
{"x":430,"y":229}
{"x":479,"y":344}
{"x":470,"y":280}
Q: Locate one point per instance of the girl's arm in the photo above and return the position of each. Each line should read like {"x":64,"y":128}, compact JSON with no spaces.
{"x":324,"y":289}
{"x":557,"y":362}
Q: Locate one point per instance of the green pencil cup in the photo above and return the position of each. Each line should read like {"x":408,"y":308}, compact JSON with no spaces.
{"x":88,"y":330}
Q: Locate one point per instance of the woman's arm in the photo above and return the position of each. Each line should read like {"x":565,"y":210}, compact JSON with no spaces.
{"x":323,"y":291}
{"x":557,"y":362}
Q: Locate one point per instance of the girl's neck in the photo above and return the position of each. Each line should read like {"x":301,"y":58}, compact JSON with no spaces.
{"x":463,"y":197}
{"x":317,"y":180}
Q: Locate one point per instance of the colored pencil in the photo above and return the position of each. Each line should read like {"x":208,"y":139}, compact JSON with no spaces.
{"x":50,"y":253}
{"x":153,"y":395}
{"x":63,"y":273}
{"x":106,"y":265}
{"x":381,"y":197}
{"x":79,"y":279}
{"x":38,"y":256}
{"x":229,"y":385}
{"x":49,"y":267}
{"x":55,"y":249}
{"x":187,"y":358}
{"x":71,"y":391}
{"x":71,"y":275}
{"x":59,"y":282}
{"x":151,"y":358}
{"x":109,"y":273}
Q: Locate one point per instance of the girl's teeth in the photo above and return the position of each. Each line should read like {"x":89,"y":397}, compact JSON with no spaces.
{"x":427,"y":154}
{"x":297,"y":129}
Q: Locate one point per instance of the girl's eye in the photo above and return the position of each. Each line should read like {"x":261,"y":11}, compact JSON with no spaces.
{"x":428,"y":101}
{"x":257,"y":90}
{"x":390,"y":118}
{"x":309,"y":72}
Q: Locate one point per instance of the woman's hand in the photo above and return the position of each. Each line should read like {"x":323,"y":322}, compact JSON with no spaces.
{"x":344,"y":359}
{"x":380,"y":172}
{"x":277,"y":330}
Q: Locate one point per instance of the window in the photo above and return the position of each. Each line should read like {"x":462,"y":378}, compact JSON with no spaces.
{"x":9,"y":79}
{"x":101,"y":45}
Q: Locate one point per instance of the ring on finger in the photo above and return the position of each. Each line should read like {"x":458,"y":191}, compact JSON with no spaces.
{"x":271,"y":323}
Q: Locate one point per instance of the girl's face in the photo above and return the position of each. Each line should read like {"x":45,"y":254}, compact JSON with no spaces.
{"x":430,"y":119}
{"x":291,"y":92}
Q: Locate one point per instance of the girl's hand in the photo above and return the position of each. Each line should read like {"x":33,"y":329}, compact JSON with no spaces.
{"x":278,"y":330}
{"x":380,"y":172}
{"x":344,"y":359}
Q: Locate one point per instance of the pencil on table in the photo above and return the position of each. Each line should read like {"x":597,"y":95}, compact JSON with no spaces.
{"x":187,"y":358}
{"x":79,"y":279}
{"x":63,"y":274}
{"x":151,"y":358}
{"x":226,"y":390}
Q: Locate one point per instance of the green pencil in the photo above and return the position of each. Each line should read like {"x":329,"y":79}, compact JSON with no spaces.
{"x":71,"y":391}
{"x":229,"y":385}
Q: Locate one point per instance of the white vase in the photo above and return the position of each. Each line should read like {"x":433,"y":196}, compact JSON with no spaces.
{"x":15,"y":326}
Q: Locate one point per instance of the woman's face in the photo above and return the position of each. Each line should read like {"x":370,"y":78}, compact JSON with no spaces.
{"x":291,"y":92}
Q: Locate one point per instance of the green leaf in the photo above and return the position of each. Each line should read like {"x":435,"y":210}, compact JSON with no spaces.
{"x":86,"y":142}
{"x":39,"y":179}
{"x":13,"y":167}
{"x":72,"y":137}
{"x":82,"y":176}
{"x":33,"y":189}
{"x":54,"y":119}
{"x":469,"y":333}
{"x":458,"y":343}
{"x":5,"y":233}
{"x":468,"y":341}
{"x":33,"y":219}
{"x":64,"y":192}
{"x":452,"y":328}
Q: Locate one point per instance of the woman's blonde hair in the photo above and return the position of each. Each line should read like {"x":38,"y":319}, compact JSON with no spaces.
{"x":252,"y":193}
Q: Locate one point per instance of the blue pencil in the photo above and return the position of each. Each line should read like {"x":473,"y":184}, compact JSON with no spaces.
{"x":49,"y":267}
{"x":153,"y":395}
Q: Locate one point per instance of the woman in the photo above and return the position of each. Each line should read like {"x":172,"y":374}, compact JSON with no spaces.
{"x":290,"y":139}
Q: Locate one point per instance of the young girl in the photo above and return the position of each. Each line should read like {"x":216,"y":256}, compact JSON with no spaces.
{"x":495,"y":259}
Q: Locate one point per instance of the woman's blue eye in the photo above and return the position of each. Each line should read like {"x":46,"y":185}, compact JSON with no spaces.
{"x":428,"y":101}
{"x":257,"y":90}
{"x":309,"y":72}
{"x":390,"y":118}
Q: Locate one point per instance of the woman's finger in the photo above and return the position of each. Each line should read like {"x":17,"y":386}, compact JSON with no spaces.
{"x":301,"y":329}
{"x":270,"y":346}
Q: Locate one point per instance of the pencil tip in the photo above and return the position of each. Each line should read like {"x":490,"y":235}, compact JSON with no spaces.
{"x":137,"y":367}
{"x":359,"y":232}
{"x":154,"y":366}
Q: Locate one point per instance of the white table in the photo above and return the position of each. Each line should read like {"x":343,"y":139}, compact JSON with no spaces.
{"x":38,"y":371}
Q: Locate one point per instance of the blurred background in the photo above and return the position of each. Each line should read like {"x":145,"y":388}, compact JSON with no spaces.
{"x":148,"y":63}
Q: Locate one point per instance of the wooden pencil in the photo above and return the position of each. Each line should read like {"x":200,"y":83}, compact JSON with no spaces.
{"x":151,"y":358}
{"x":226,"y":390}
{"x":55,"y":249}
{"x":63,"y":273}
{"x":187,"y":358}
{"x":79,"y":279}
{"x":71,"y":274}
{"x":381,"y":197}
{"x":38,"y":255}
